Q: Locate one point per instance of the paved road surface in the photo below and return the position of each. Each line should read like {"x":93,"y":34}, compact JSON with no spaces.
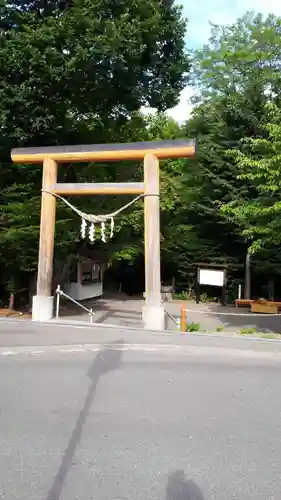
{"x":142,"y":418}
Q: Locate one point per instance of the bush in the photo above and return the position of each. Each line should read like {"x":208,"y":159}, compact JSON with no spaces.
{"x":193,"y":327}
{"x":185,"y":295}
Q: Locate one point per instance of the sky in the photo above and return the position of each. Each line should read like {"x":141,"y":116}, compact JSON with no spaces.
{"x":199,"y":14}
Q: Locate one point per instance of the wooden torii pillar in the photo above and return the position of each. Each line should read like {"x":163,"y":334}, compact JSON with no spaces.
{"x":150,"y":153}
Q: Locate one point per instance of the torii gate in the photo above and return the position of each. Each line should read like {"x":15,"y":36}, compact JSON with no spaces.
{"x":150,"y":152}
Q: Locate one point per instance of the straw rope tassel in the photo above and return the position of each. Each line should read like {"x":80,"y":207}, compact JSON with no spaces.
{"x":92,"y":232}
{"x":103,"y":238}
{"x":83,"y":228}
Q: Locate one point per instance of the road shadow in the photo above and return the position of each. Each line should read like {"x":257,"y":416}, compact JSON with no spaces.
{"x":104,"y":310}
{"x":107,"y":360}
{"x":178,"y":488}
{"x":127,"y":317}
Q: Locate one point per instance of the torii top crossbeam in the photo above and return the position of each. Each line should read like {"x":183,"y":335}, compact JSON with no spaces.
{"x":181,"y":148}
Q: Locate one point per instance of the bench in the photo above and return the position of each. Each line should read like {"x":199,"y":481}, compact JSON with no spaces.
{"x":275,"y":303}
{"x":264,"y":307}
{"x":260,"y":306}
{"x":243,"y":302}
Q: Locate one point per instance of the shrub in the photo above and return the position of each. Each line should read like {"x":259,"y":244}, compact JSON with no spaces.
{"x":193,"y":327}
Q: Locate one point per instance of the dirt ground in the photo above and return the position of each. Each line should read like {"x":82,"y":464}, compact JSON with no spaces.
{"x":6,"y":313}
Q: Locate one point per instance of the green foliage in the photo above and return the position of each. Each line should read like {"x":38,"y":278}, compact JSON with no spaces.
{"x":233,"y":186}
{"x":78,"y":72}
{"x":247,"y":331}
{"x":270,"y":336}
{"x":185,"y":295}
{"x":258,"y":162}
{"x":193,"y":327}
{"x":98,"y":59}
{"x":205,"y":298}
{"x":240,"y":67}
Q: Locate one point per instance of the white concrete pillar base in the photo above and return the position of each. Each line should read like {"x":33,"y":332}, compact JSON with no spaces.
{"x":153,"y":318}
{"x":42,"y":308}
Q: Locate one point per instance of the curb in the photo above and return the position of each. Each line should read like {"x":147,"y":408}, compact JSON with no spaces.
{"x":169,"y":333}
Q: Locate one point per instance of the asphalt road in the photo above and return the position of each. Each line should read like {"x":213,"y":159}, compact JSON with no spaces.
{"x":151,"y":418}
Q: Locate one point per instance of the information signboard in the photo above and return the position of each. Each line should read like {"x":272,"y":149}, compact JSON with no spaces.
{"x":213,"y":277}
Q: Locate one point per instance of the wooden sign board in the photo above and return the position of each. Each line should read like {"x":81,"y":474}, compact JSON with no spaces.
{"x":212,"y":277}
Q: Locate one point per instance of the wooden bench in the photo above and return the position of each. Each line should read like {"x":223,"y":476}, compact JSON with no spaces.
{"x":243,"y":302}
{"x":275,"y":303}
{"x":260,"y":306}
{"x":264,"y":307}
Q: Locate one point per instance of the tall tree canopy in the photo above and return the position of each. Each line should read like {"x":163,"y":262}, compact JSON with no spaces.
{"x":236,"y":76}
{"x":62,"y":60}
{"x":77,"y":72}
{"x":258,"y":160}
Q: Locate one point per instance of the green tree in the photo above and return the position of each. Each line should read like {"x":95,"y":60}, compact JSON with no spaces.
{"x":258,"y":162}
{"x":240,"y":63}
{"x":235,"y":75}
{"x":77,"y":72}
{"x":101,"y":57}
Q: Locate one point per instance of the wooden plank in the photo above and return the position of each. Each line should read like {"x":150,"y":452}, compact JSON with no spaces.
{"x":152,"y":231}
{"x":98,"y":188}
{"x":243,"y":302}
{"x":265,"y":308}
{"x":47,"y":230}
{"x":106,"y":152}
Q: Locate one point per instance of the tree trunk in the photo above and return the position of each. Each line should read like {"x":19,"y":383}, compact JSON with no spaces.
{"x":32,"y":289}
{"x":247,"y":289}
{"x":12,"y":294}
{"x":173,"y":284}
{"x":271,"y":289}
{"x":62,"y":274}
{"x":11,"y":301}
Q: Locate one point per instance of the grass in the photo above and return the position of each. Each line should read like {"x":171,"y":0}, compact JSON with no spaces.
{"x":271,"y":336}
{"x":195,"y":327}
{"x":261,"y":335}
{"x":247,"y":331}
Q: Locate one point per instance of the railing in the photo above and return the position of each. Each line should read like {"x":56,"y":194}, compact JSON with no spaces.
{"x":60,"y":293}
{"x":176,"y":321}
